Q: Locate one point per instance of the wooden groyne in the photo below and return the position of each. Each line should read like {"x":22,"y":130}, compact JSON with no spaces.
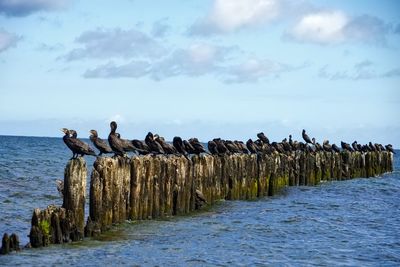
{"x":150,"y":187}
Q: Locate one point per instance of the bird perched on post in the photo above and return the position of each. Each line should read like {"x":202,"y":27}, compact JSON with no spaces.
{"x":77,"y":146}
{"x":306,"y":137}
{"x":99,"y":143}
{"x":119,"y":146}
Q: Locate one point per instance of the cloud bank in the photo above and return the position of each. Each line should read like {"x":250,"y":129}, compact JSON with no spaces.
{"x":21,"y":8}
{"x":334,"y":27}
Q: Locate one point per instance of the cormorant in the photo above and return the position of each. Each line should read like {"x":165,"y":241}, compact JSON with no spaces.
{"x":188,"y":147}
{"x":306,"y":137}
{"x":355,"y":146}
{"x":168,"y":149}
{"x":212,"y":147}
{"x":198,"y":147}
{"x":251,"y":146}
{"x":231,"y":147}
{"x":141,"y":147}
{"x":178,"y":144}
{"x":389,"y":147}
{"x":290,"y":140}
{"x":286,"y":146}
{"x":116,"y":144}
{"x":77,"y":146}
{"x":326,"y":146}
{"x":346,"y":146}
{"x":335,"y":148}
{"x":263,"y":138}
{"x":241,"y":146}
{"x":372,"y":147}
{"x":222,"y":149}
{"x":99,"y":143}
{"x":278,"y":147}
{"x":154,"y":146}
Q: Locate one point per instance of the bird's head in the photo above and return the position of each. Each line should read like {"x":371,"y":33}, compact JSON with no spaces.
{"x":64,"y":130}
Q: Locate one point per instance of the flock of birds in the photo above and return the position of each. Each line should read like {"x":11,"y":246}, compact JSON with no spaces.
{"x":155,"y":144}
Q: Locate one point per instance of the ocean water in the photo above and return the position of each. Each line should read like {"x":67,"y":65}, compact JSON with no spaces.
{"x":348,"y":223}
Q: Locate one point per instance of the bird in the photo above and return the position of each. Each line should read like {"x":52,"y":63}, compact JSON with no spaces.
{"x":77,"y":146}
{"x":116,"y":144}
{"x":326,"y":146}
{"x":99,"y":143}
{"x":178,"y":144}
{"x":355,"y":146}
{"x":198,"y":147}
{"x":212,"y":147}
{"x":141,"y":147}
{"x":222,"y":149}
{"x":241,"y":146}
{"x":154,"y":146}
{"x":251,"y":146}
{"x":188,"y":147}
{"x":389,"y":148}
{"x":335,"y":148}
{"x":231,"y":147}
{"x":306,"y":137}
{"x":263,"y":138}
{"x":286,"y":146}
{"x":345,"y":146}
{"x":168,"y":149}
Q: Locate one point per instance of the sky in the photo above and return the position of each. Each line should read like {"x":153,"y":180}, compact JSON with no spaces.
{"x":202,"y":68}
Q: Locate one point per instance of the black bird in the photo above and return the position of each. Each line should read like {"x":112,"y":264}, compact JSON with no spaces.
{"x":326,"y":146}
{"x":306,"y":137}
{"x":372,"y":147}
{"x":251,"y":146}
{"x":231,"y":147}
{"x":291,"y":141}
{"x":116,"y":143}
{"x":263,"y":138}
{"x":168,"y":149}
{"x":335,"y":148}
{"x":77,"y":146}
{"x":212,"y":147}
{"x":355,"y":146}
{"x":222,"y":149}
{"x":141,"y":147}
{"x":99,"y":143}
{"x":346,"y":146}
{"x":286,"y":146}
{"x":278,"y":147}
{"x":389,"y":147}
{"x":154,"y":146}
{"x":188,"y":147}
{"x":198,"y":147}
{"x":178,"y":144}
{"x":241,"y":146}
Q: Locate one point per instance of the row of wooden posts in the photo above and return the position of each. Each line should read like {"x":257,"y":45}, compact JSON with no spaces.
{"x":149,"y":187}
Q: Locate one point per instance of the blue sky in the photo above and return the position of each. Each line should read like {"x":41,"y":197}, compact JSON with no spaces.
{"x":202,"y":68}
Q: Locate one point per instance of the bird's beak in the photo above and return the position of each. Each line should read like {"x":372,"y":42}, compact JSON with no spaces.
{"x":62,"y":130}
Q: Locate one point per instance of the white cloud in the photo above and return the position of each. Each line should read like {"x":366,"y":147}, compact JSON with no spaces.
{"x":7,"y":40}
{"x":323,"y":27}
{"x":231,"y":15}
{"x":334,"y":27}
{"x":115,"y":43}
{"x":253,"y":70}
{"x":21,"y":8}
{"x":364,"y":70}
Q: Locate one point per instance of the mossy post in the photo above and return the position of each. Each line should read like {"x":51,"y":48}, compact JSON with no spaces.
{"x":74,"y":195}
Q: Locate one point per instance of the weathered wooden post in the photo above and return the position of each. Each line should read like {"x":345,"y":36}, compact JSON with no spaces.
{"x":74,"y":195}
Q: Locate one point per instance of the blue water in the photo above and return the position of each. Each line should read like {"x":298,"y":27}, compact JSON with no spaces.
{"x":349,"y":223}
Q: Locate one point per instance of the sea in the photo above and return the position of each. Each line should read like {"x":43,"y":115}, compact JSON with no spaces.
{"x":347,"y":223}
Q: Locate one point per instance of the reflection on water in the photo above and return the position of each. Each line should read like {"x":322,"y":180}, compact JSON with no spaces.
{"x":354,"y":223}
